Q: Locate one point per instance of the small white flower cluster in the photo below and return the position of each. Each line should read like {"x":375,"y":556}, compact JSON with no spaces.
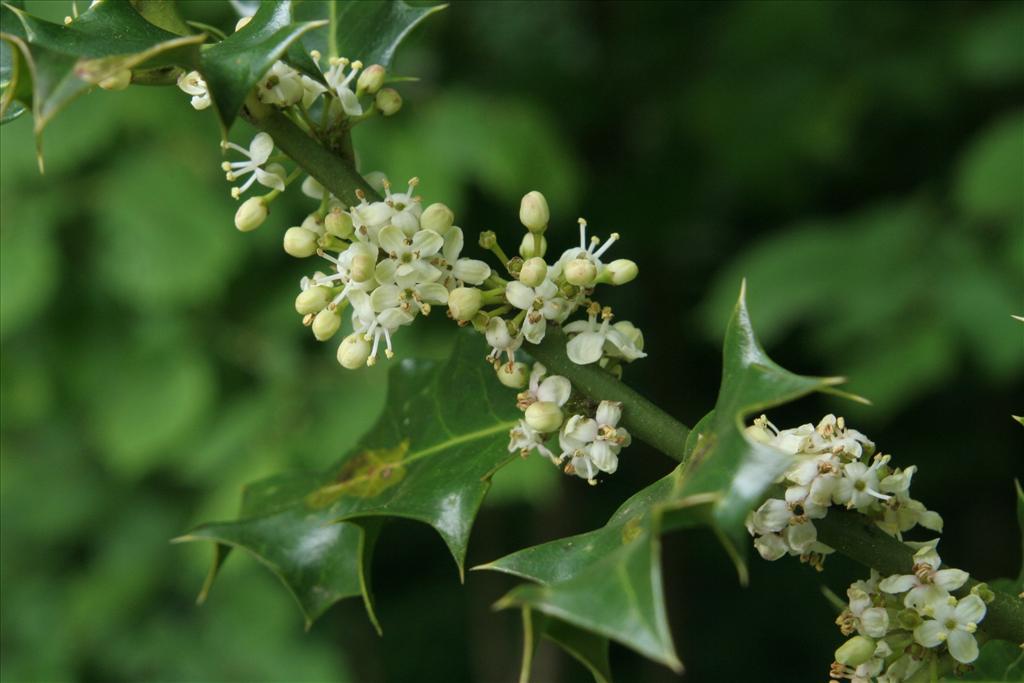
{"x":833,"y":465}
{"x":903,"y":623}
{"x":392,"y":261}
{"x":588,"y":445}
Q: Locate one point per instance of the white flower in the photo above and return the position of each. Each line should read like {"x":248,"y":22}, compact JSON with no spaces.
{"x":953,"y":622}
{"x":901,"y":512}
{"x":408,"y":259}
{"x":193,"y":84}
{"x":501,"y":340}
{"x":593,"y":445}
{"x":869,"y":620}
{"x":588,"y":252}
{"x":541,"y":303}
{"x":281,"y":86}
{"x":406,"y":207}
{"x":348,"y":265}
{"x":832,"y":434}
{"x":554,"y":389}
{"x":928,"y":585}
{"x":379,"y":314}
{"x":858,"y":487}
{"x":339,"y":81}
{"x":524,"y":439}
{"x":311,"y":90}
{"x":592,"y":339}
{"x":260,"y":149}
{"x":455,"y":271}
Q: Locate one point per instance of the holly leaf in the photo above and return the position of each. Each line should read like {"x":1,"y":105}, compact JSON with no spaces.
{"x":233,"y":66}
{"x":589,"y":649}
{"x":48,"y":65}
{"x":367,"y":30}
{"x":608,"y":581}
{"x":428,"y":458}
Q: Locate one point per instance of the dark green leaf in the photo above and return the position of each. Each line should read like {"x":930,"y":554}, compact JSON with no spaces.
{"x":428,"y":458}
{"x":367,"y":30}
{"x":589,"y":649}
{"x":234,"y":65}
{"x":62,"y":61}
{"x":608,"y":581}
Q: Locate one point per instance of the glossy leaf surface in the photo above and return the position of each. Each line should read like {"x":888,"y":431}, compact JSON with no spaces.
{"x":608,"y":581}
{"x":589,"y":649}
{"x":429,"y":458}
{"x":367,"y":30}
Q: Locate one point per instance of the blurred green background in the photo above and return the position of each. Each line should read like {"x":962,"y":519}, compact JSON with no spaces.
{"x":860,"y":164}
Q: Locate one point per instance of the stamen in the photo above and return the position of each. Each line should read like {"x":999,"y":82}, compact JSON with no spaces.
{"x":610,"y":242}
{"x":583,"y":232}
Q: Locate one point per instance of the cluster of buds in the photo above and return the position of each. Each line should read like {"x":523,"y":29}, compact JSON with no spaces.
{"x":589,"y":441}
{"x":907,"y":627}
{"x":833,"y":465}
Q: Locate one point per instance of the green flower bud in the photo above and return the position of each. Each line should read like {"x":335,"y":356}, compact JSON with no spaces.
{"x":621,"y":271}
{"x":855,"y":651}
{"x":437,"y":217}
{"x":363,"y":267}
{"x":313,"y":300}
{"x":580,"y":272}
{"x":533,"y":272}
{"x":371,"y":80}
{"x":299,"y":242}
{"x":488,"y":239}
{"x":353,"y":351}
{"x":325,"y":324}
{"x":251,"y":214}
{"x":338,"y":223}
{"x":533,"y":245}
{"x":119,"y":80}
{"x":544,"y":416}
{"x":984,"y":592}
{"x":514,"y":377}
{"x":388,"y":101}
{"x":465,"y":302}
{"x":533,"y":212}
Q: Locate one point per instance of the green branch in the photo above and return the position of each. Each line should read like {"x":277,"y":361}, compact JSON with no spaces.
{"x":850,"y":534}
{"x":643,"y":419}
{"x":855,"y":536}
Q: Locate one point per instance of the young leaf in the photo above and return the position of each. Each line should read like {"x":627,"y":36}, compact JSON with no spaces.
{"x":56,"y":63}
{"x":234,"y":65}
{"x":428,"y":458}
{"x":608,"y":581}
{"x":367,"y":30}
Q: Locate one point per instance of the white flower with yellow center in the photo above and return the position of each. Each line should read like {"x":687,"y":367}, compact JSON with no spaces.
{"x":954,"y":623}
{"x":523,"y":438}
{"x":859,"y":486}
{"x":354,"y":269}
{"x":928,"y":585}
{"x":541,"y":303}
{"x":281,"y":86}
{"x":501,"y":340}
{"x":593,"y":445}
{"x":592,"y":339}
{"x":456,"y":271}
{"x":408,"y":258}
{"x":260,"y":149}
{"x":379,"y":315}
{"x":338,"y":81}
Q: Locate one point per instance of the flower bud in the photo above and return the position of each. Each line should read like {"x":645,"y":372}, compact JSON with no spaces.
{"x":465,"y":302}
{"x":515,"y":376}
{"x":533,"y":272}
{"x":533,"y":212}
{"x":533,"y":245}
{"x":119,"y":80}
{"x":544,"y":416}
{"x":314,"y":224}
{"x":437,"y":217}
{"x":363,"y":267}
{"x":353,"y":351}
{"x":299,"y":242}
{"x":371,"y":80}
{"x":488,"y":240}
{"x":855,"y":651}
{"x":984,"y":592}
{"x":312,"y":300}
{"x":621,"y":271}
{"x":580,"y":272}
{"x":325,"y":324}
{"x":388,"y":101}
{"x":251,"y":214}
{"x":338,"y":223}
{"x":908,"y":619}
